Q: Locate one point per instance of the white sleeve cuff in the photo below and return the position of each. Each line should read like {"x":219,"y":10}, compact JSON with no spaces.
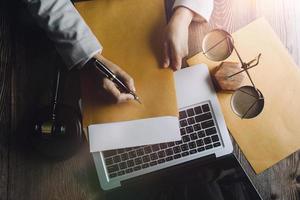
{"x":203,"y":8}
{"x":78,"y":53}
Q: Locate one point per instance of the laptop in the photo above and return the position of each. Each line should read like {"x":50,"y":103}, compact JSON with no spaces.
{"x":202,"y":128}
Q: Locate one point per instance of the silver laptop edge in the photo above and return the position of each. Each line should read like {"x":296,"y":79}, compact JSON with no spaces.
{"x":225,"y":149}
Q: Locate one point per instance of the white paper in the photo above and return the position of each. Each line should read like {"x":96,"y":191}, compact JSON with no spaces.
{"x":193,"y":86}
{"x":133,"y":133}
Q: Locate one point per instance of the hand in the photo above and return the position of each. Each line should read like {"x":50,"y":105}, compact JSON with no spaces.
{"x":175,"y":43}
{"x":110,"y":86}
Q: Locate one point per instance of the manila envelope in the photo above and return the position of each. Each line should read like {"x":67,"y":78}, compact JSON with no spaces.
{"x":130,"y":34}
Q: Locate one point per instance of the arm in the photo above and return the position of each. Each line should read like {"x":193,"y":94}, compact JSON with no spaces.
{"x":175,"y":45}
{"x":73,"y":39}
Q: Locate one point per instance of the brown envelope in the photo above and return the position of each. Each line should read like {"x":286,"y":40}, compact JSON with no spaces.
{"x":275,"y":133}
{"x":130,"y":33}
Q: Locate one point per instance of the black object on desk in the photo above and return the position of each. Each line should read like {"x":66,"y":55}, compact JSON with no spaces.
{"x":57,"y":130}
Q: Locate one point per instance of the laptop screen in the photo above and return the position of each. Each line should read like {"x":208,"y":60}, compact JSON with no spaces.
{"x":222,"y":179}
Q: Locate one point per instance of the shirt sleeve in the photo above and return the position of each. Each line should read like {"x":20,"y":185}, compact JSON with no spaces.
{"x":203,"y":8}
{"x":73,"y":39}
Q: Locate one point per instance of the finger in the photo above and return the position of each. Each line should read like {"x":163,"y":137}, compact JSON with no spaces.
{"x":175,"y":59}
{"x":166,"y":56}
{"x":123,"y":97}
{"x":126,"y":78}
{"x":111,"y":88}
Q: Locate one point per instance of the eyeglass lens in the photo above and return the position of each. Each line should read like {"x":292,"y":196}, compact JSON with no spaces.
{"x":217,"y":45}
{"x":247,"y":102}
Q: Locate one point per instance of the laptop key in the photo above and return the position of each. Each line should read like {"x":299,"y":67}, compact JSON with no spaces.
{"x":207,"y":140}
{"x":110,"y":153}
{"x":112,"y":168}
{"x":132,"y":154}
{"x":215,"y":138}
{"x":203,"y":117}
{"x":182,"y":131}
{"x":121,"y":151}
{"x":205,"y":108}
{"x":169,"y":158}
{"x":201,"y":134}
{"x":146,"y":158}
{"x":211,"y":131}
{"x":209,"y":146}
{"x":190,"y":112}
{"x":184,"y":147}
{"x":171,"y":144}
{"x":140,"y":152}
{"x":193,"y":136}
{"x":198,"y":110}
{"x":117,"y":158}
{"x":153,"y":156}
{"x":183,"y":123}
{"x":186,"y":153}
{"x":145,"y":165}
{"x":199,"y":142}
{"x":169,"y":151}
{"x":178,"y":142}
{"x":207,"y":124}
{"x":138,"y":161}
{"x":128,"y":170}
{"x":217,"y":144}
{"x":136,"y":168}
{"x":200,"y":149}
{"x":186,"y":138}
{"x":147,"y":149}
{"x":193,"y":151}
{"x":197,"y":127}
{"x":161,"y":154}
{"x":109,"y":161}
{"x":155,"y":147}
{"x":130,"y":163}
{"x":120,"y":173}
{"x":163,"y":145}
{"x":124,"y":156}
{"x":177,"y":156}
{"x":191,"y":120}
{"x":189,"y":129}
{"x":192,"y":145}
{"x":153,"y":163}
{"x":182,"y":114}
{"x":128,"y":149}
{"x":112,"y":175}
{"x":161,"y":161}
{"x":123,"y":165}
{"x":176,"y":149}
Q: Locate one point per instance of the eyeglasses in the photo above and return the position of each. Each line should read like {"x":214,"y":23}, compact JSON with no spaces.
{"x":247,"y":101}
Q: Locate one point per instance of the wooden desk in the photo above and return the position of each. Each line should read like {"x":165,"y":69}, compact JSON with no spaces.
{"x":25,"y":175}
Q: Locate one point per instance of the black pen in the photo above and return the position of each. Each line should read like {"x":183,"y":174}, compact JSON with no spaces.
{"x":100,"y":66}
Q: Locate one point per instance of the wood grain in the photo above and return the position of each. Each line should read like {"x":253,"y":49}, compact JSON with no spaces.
{"x":5,"y":79}
{"x":280,"y":181}
{"x":34,"y":177}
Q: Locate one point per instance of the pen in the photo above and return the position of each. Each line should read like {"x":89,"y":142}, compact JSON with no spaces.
{"x":111,"y":76}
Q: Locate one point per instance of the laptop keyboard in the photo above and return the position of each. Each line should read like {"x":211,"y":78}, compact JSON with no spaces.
{"x":198,"y":132}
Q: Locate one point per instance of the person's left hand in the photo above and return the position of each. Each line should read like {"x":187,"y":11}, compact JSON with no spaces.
{"x":175,"y":41}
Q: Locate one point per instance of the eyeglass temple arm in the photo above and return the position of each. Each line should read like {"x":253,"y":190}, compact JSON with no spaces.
{"x":248,"y":64}
{"x":244,"y":66}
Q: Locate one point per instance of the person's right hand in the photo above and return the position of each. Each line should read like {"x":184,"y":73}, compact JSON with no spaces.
{"x":110,"y":86}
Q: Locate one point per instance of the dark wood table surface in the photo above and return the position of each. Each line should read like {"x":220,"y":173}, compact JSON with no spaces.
{"x":26,"y":175}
